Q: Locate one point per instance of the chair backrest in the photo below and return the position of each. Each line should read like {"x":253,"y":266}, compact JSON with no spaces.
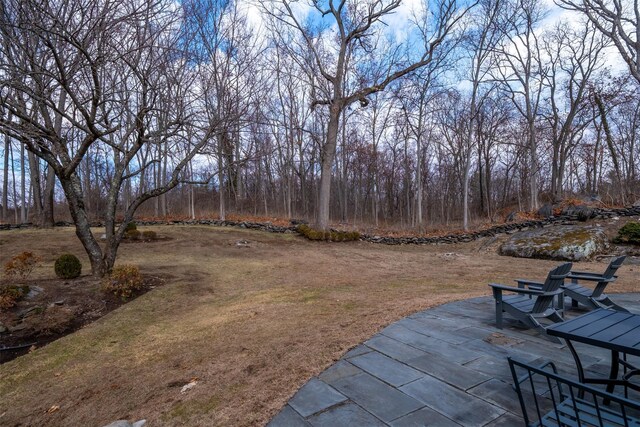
{"x":555,"y":279}
{"x":547,"y":398}
{"x":614,"y":265}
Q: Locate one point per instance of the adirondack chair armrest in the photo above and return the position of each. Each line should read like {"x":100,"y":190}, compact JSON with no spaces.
{"x":498,"y":287}
{"x":591,"y":278}
{"x":584,"y":273}
{"x":556,"y":292}
{"x":530,"y":283}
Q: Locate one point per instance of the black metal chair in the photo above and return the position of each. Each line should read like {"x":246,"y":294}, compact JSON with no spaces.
{"x":548,"y":399}
{"x":593,"y":298}
{"x":531,"y":304}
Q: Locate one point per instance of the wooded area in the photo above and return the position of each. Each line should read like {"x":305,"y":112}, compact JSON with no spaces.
{"x":347,"y":111}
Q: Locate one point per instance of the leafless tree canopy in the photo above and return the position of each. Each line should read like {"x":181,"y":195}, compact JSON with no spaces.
{"x":371,"y":112}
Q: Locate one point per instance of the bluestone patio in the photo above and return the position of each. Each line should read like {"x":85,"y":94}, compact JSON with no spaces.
{"x":445,"y":366}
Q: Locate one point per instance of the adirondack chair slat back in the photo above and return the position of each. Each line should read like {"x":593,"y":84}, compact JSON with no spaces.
{"x":614,"y":265}
{"x":555,"y":279}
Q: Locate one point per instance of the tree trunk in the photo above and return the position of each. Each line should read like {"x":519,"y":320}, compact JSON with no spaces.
{"x":34,"y":169}
{"x":612,"y":151}
{"x":73,"y":192}
{"x":23,"y":187}
{"x":47,"y":219}
{"x":465,"y":191}
{"x":533,"y":161}
{"x":5,"y":179}
{"x":328,"y":156}
{"x":221,"y":186}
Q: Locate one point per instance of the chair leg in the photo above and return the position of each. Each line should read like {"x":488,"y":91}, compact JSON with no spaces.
{"x":536,"y":325}
{"x":561,"y":303}
{"x":556,"y":318}
{"x":499,"y":313}
{"x":574,"y":303}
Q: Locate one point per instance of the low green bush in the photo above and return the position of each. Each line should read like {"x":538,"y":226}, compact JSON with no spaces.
{"x":130,"y":226}
{"x":332,"y":235}
{"x":124,"y":281}
{"x":68,"y":266}
{"x":629,"y":233}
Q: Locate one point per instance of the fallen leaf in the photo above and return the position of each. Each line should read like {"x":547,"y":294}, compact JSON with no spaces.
{"x":53,"y":409}
{"x":187,"y":387}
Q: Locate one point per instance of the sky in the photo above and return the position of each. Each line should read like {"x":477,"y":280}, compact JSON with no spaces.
{"x":397,"y":22}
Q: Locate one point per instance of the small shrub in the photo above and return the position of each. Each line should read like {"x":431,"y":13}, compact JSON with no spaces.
{"x":21,"y":265}
{"x":132,"y":235}
{"x":130,"y":226}
{"x":149,"y":235}
{"x":11,"y":294}
{"x":629,"y":233}
{"x":68,"y":266}
{"x":333,"y":236}
{"x":124,"y":281}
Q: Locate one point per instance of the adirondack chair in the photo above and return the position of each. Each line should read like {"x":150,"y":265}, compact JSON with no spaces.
{"x":593,"y":298}
{"x":533,"y":302}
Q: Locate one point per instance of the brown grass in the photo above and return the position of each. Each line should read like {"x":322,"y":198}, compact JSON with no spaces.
{"x":252,"y":324}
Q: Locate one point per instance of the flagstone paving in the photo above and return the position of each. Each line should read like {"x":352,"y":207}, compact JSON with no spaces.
{"x":446,"y":366}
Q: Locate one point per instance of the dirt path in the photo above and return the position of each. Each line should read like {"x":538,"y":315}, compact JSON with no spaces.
{"x":252,"y":322}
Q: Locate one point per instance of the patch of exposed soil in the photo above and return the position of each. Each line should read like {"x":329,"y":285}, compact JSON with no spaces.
{"x":54,"y":308}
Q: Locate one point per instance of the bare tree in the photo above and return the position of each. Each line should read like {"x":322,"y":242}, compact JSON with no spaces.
{"x":108,"y":72}
{"x":480,"y":43}
{"x":520,"y":71}
{"x":574,"y":56}
{"x":356,"y":23}
{"x":618,"y":20}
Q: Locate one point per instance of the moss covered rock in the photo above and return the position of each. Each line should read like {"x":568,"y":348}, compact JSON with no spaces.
{"x":571,"y":243}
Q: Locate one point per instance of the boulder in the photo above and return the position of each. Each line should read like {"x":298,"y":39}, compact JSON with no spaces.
{"x":511,"y":217}
{"x":546,"y":211}
{"x":582,"y":212}
{"x":570,"y":243}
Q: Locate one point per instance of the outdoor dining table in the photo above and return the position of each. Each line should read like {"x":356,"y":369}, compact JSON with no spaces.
{"x":613,"y":330}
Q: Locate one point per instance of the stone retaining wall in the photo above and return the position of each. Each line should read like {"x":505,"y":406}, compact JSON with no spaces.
{"x":507,"y":228}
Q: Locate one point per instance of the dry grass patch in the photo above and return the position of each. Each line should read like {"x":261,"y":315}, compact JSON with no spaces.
{"x":251,"y":323}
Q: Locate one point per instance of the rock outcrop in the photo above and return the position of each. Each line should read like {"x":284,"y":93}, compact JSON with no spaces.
{"x":570,"y":243}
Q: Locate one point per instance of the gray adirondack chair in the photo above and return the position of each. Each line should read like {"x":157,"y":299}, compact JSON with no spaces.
{"x":531,"y":304}
{"x":593,"y":298}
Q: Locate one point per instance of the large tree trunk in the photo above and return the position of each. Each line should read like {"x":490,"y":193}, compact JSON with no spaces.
{"x":47,"y":219}
{"x":73,"y":192}
{"x":328,"y":156}
{"x":533,"y":161}
{"x":221,"y":186}
{"x":5,"y":179}
{"x":34,"y":169}
{"x":612,"y":150}
{"x":23,"y":187}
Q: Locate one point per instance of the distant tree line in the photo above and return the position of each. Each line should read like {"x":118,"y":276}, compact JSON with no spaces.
{"x":359,"y":112}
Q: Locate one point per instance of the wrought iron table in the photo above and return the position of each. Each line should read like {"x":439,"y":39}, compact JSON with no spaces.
{"x":613,"y":330}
